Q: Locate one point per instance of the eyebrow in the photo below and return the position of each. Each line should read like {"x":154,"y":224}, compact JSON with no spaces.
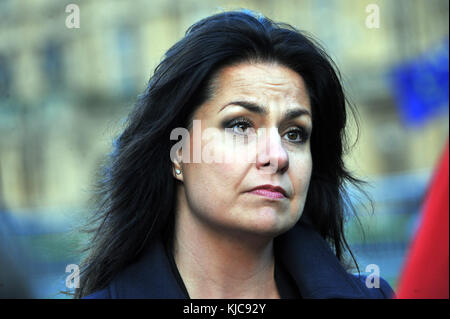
{"x":255,"y":108}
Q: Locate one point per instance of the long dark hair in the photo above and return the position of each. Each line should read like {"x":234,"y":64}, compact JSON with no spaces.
{"x":137,"y":191}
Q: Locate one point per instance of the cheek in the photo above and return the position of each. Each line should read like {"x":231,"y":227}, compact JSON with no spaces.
{"x":210,"y":192}
{"x":226,"y":159}
{"x":213,"y":187}
{"x":301,"y":174}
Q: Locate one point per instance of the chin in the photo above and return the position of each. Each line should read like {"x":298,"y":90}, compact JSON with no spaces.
{"x":269,"y":223}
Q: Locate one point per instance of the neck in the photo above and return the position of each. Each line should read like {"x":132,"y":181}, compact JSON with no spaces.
{"x":222,"y":264}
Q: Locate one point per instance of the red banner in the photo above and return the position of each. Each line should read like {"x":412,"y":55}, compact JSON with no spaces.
{"x":426,"y":272}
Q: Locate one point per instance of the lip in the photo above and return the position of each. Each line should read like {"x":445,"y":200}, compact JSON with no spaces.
{"x":270,"y":191}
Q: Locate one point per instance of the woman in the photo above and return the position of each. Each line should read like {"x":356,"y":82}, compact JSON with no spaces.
{"x":184,"y":219}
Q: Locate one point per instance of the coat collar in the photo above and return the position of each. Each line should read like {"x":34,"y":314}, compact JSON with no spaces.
{"x":314,"y":267}
{"x":306,"y":256}
{"x":151,"y":277}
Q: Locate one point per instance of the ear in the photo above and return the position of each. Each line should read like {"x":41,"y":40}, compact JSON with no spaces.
{"x":177,"y":171}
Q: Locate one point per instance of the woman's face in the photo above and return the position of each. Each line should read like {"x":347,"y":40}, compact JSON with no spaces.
{"x":255,"y":131}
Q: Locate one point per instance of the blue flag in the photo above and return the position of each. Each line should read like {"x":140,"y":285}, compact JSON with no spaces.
{"x":421,"y":86}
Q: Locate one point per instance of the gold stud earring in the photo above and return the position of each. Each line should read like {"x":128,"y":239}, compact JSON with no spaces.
{"x":177,"y":171}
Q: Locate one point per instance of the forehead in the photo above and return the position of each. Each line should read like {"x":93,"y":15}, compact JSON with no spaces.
{"x":264,"y":83}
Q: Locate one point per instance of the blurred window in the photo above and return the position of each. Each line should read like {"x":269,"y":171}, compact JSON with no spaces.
{"x":126,"y":43}
{"x":52,"y":63}
{"x":5,"y":77}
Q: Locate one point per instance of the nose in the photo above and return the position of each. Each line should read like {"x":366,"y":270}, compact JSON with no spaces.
{"x":271,"y":157}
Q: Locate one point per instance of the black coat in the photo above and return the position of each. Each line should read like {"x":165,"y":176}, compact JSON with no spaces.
{"x":308,"y":259}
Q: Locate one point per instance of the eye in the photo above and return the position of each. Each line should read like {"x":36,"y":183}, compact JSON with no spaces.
{"x":241,"y":126}
{"x":297,"y":135}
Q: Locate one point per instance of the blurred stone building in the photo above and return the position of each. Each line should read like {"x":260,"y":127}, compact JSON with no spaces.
{"x":64,"y":93}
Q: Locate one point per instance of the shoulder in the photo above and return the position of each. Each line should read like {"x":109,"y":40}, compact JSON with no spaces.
{"x":100,"y":294}
{"x":318,"y":272}
{"x":374,"y":286}
{"x":150,"y":276}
